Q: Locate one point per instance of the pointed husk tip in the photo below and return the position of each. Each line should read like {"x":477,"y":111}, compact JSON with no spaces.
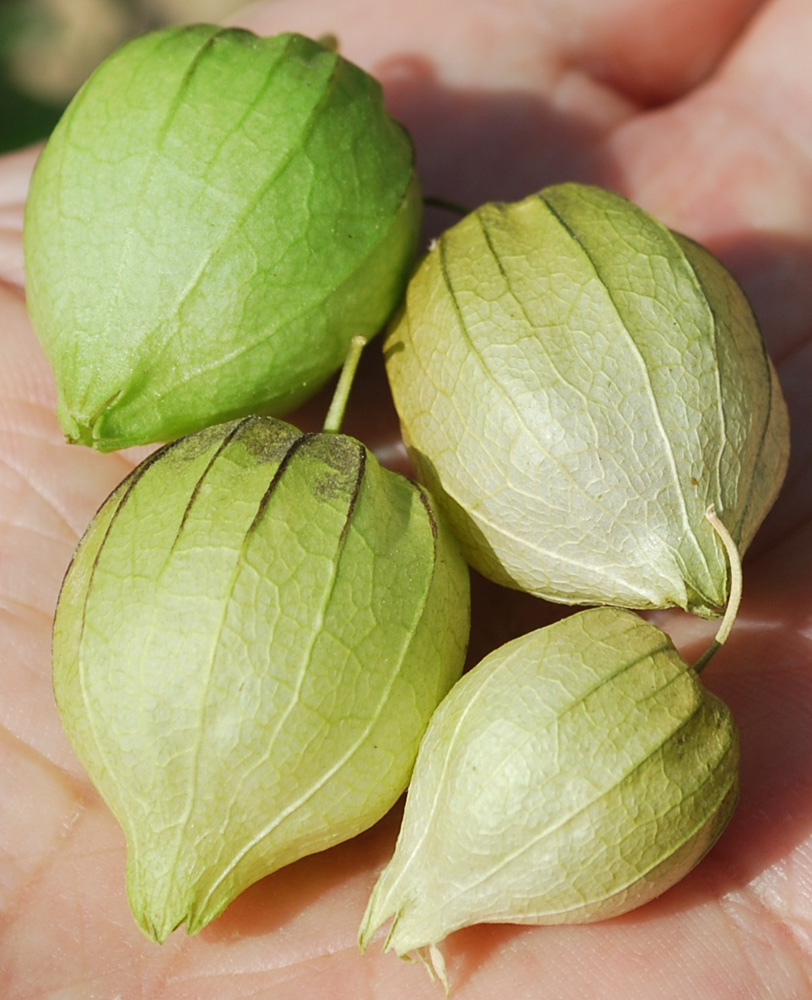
{"x":429,"y":955}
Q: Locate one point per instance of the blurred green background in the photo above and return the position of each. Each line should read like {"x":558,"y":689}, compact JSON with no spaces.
{"x":48,"y":48}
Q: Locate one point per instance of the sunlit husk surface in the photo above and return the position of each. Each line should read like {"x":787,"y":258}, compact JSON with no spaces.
{"x":576,"y":773}
{"x":249,"y":643}
{"x":213,"y":219}
{"x":577,"y":385}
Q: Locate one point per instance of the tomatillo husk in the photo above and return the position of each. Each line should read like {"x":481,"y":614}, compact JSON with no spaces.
{"x":574,"y":774}
{"x":248,"y":646}
{"x":577,"y":385}
{"x":212,"y":220}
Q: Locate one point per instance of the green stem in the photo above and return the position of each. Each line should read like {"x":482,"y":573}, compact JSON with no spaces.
{"x":734,"y":600}
{"x":338,"y":404}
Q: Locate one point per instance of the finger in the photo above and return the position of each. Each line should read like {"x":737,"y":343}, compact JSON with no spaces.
{"x":651,"y":49}
{"x":734,"y":158}
{"x":652,"y":52}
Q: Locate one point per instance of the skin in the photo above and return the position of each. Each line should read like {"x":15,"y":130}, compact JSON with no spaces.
{"x":698,"y":110}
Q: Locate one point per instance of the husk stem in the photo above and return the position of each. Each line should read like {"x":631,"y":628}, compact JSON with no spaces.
{"x":446,"y":204}
{"x":338,"y":404}
{"x":734,"y":600}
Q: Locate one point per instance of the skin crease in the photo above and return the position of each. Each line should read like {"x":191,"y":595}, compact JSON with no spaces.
{"x":699,"y":110}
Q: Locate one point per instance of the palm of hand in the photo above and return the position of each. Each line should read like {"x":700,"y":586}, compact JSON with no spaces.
{"x":500,"y":103}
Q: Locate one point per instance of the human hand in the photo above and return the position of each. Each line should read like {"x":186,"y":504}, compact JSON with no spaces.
{"x":699,"y":111}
